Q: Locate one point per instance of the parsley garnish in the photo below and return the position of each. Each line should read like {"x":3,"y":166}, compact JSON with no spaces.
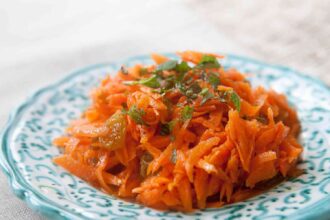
{"x":186,"y":113}
{"x":124,"y":109}
{"x":208,"y":61}
{"x":151,"y":82}
{"x":136,"y":114}
{"x":214,"y":80}
{"x":205,"y":93}
{"x":192,"y":91}
{"x":236,"y":100}
{"x":262,"y":119}
{"x":171,"y":124}
{"x":173,"y":156}
{"x":143,"y":71}
{"x":168,"y":65}
{"x":164,"y":129}
{"x":223,"y":96}
{"x":182,"y":67}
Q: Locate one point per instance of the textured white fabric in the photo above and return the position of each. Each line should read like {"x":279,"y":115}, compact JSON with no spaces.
{"x":41,"y":41}
{"x":287,"y":32}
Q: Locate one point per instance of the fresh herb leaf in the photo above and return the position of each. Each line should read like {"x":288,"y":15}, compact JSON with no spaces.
{"x":171,"y":125}
{"x":223,"y":96}
{"x":236,"y":100}
{"x":145,"y":160}
{"x":186,"y":113}
{"x":183,"y":67}
{"x":123,"y":70}
{"x":181,"y":87}
{"x":180,"y":77}
{"x":164,"y":129}
{"x":136,"y":114}
{"x":168,"y":65}
{"x":173,"y":156}
{"x":124,"y":109}
{"x":205,"y":93}
{"x":208,"y":61}
{"x":262,"y":119}
{"x":169,"y":82}
{"x":195,"y":87}
{"x":168,"y":103}
{"x":143,"y":71}
{"x":192,"y":91}
{"x":151,"y":82}
{"x":214,"y":80}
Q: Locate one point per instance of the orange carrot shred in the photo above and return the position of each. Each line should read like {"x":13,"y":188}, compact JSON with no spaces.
{"x":181,"y":135}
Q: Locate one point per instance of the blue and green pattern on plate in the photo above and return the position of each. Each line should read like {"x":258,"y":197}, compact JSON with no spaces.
{"x":27,"y":152}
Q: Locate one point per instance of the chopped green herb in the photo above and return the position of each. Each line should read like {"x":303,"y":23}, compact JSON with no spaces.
{"x":223,"y":96}
{"x":169,"y":82}
{"x":143,"y":71}
{"x":236,"y":100}
{"x":195,"y":87}
{"x":186,"y":113}
{"x":168,"y":65}
{"x":214,"y":80}
{"x":205,"y":93}
{"x":164,"y":129}
{"x":123,"y":70}
{"x":180,"y":77}
{"x":171,"y":124}
{"x":262,"y":119}
{"x":173,"y":156}
{"x":151,"y":82}
{"x":190,"y":91}
{"x":124,"y":109}
{"x":145,"y":160}
{"x":183,"y":67}
{"x":208,"y":61}
{"x":136,"y":114}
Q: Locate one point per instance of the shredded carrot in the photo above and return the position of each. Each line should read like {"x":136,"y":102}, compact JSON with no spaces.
{"x":181,"y":135}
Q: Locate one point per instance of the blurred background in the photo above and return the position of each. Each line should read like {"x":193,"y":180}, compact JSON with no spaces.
{"x":41,"y":41}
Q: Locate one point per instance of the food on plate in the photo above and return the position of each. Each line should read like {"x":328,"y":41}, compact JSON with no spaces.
{"x":182,"y":134}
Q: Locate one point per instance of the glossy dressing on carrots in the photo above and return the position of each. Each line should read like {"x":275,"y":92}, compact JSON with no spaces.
{"x":181,"y":135}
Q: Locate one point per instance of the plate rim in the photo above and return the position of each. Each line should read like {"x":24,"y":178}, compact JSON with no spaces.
{"x":46,"y":207}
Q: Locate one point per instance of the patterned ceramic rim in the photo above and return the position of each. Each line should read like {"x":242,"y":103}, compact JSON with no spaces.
{"x":318,"y":210}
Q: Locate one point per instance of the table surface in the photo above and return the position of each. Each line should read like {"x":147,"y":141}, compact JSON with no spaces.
{"x":42,"y":41}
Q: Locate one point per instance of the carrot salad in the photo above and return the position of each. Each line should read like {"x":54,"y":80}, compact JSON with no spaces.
{"x":181,"y":135}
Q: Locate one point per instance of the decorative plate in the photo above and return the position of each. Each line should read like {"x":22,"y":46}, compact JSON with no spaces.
{"x":26,"y":152}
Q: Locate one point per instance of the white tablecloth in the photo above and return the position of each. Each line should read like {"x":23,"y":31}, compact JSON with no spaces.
{"x":41,"y":41}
